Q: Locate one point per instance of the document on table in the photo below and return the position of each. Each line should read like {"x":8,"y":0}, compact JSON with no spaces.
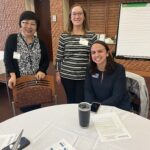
{"x":61,"y":145}
{"x":6,"y":140}
{"x":110,"y":127}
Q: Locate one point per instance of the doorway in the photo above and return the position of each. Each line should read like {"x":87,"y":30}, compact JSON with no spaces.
{"x":42,"y":9}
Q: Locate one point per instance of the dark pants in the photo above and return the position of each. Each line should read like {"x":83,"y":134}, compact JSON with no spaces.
{"x":74,"y":90}
{"x":30,"y":108}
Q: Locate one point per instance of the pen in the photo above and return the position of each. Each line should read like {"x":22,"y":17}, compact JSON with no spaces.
{"x":61,"y":144}
{"x":64,"y":147}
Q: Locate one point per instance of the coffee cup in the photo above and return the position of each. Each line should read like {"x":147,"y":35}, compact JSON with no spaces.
{"x":84,"y":114}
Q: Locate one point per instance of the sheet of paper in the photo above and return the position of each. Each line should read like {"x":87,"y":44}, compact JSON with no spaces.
{"x":61,"y":145}
{"x":110,"y":127}
{"x":52,"y":135}
{"x":6,"y":140}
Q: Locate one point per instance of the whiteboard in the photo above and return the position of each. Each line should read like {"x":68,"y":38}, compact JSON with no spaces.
{"x":133,"y":40}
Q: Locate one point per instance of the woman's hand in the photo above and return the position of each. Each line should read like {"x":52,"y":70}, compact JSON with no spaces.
{"x":12,"y":80}
{"x":58,"y":78}
{"x":40,"y":75}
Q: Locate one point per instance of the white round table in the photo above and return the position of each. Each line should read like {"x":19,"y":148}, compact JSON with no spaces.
{"x":46,"y":126}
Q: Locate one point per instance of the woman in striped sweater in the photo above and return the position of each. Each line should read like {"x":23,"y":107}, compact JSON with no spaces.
{"x":73,"y":54}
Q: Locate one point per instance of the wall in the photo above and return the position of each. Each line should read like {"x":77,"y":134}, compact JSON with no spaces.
{"x":56,"y":8}
{"x":29,"y":5}
{"x":102,"y":15}
{"x":9,"y":14}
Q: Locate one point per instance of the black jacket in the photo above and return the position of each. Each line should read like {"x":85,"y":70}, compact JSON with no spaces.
{"x":108,"y":89}
{"x":12,"y":64}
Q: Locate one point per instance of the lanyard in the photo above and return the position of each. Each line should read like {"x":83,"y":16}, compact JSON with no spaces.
{"x":29,"y":47}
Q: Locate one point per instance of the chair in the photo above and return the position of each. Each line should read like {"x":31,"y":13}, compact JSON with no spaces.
{"x":29,"y":91}
{"x":3,"y":76}
{"x":138,"y":92}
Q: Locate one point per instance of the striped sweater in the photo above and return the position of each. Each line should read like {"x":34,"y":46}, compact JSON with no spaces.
{"x":73,"y":55}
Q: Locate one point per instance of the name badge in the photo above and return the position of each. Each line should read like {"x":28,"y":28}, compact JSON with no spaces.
{"x":83,"y":41}
{"x":95,"y":75}
{"x":16,"y":55}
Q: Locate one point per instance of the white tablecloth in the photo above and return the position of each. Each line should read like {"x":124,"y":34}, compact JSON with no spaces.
{"x":46,"y":126}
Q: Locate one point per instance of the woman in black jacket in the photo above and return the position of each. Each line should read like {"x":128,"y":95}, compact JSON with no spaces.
{"x":105,"y":79}
{"x":24,"y":53}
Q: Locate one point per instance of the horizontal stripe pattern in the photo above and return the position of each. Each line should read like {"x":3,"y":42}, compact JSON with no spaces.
{"x":72,"y":56}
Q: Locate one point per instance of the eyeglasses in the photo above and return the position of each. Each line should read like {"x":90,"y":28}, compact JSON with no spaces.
{"x":26,"y":23}
{"x":75,"y":14}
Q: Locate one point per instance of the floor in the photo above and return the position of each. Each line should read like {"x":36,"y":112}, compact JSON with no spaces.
{"x":5,"y":106}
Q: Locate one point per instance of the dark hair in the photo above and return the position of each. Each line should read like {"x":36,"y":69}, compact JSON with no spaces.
{"x":110,"y":64}
{"x":70,"y":25}
{"x":29,"y":15}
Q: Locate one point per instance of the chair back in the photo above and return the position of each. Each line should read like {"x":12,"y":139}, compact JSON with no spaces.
{"x":137,"y":88}
{"x":30,"y":91}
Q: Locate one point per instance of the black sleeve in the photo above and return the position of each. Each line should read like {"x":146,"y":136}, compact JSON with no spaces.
{"x":10,"y":47}
{"x":88,"y":88}
{"x":119,"y":89}
{"x":44,"y":62}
